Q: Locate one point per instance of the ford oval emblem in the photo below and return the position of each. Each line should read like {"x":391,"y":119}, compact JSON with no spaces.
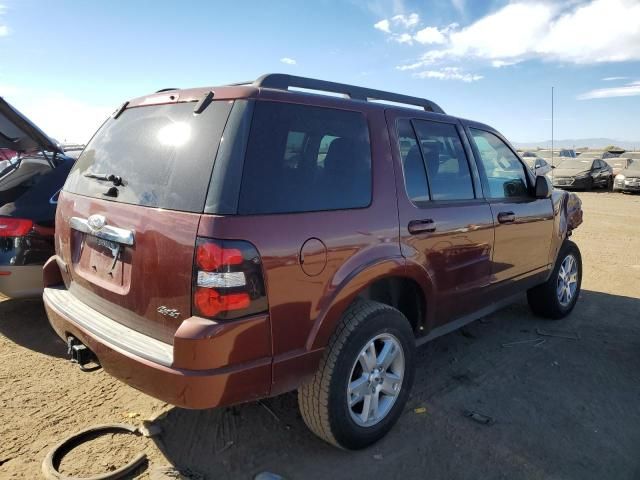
{"x":96,"y":222}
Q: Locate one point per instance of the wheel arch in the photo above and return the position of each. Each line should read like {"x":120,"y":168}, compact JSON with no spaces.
{"x":405,"y":283}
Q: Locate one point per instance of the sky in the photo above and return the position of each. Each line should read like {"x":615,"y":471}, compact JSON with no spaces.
{"x":68,"y":64}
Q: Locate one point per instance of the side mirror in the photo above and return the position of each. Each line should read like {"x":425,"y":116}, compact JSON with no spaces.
{"x":543,"y":187}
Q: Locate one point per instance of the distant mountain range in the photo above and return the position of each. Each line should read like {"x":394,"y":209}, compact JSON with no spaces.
{"x":592,"y":143}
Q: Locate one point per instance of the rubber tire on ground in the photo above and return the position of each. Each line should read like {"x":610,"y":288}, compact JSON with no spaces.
{"x":543,"y":299}
{"x":323,"y":400}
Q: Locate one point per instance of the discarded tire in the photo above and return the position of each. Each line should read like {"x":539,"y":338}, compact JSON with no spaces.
{"x":51,"y":462}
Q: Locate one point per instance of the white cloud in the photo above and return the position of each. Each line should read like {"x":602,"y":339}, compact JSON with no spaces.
{"x":402,"y":38}
{"x":407,"y":21}
{"x":399,"y":26}
{"x":430,"y":35}
{"x":611,"y":79}
{"x":383,"y":25}
{"x":449,"y":73}
{"x":573,"y":32}
{"x":288,"y":61}
{"x":411,"y":66}
{"x":502,"y":63}
{"x":629,"y":90}
{"x":508,"y":33}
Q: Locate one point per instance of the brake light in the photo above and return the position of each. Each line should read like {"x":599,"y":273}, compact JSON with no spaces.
{"x":227,"y":279}
{"x":210,"y":256}
{"x":14,"y":227}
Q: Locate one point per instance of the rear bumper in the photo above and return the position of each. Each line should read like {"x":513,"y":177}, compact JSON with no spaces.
{"x":207,"y":366}
{"x":21,"y":281}
{"x":626,"y":186}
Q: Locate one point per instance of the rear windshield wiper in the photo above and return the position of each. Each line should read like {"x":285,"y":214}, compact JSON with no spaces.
{"x":115,"y":179}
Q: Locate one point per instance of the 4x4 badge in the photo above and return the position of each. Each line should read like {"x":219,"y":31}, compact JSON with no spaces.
{"x":168,"y":312}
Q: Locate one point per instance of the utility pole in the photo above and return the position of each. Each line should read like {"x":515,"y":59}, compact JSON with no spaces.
{"x":552,"y":138}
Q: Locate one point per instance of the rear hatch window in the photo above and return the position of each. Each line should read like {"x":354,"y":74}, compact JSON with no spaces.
{"x":163,"y":153}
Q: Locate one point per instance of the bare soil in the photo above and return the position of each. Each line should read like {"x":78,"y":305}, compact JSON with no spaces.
{"x":562,"y":408}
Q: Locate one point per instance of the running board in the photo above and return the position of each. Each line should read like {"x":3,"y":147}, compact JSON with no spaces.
{"x":462,"y":321}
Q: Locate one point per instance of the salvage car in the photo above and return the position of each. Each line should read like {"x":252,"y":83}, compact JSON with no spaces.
{"x":628,"y":180}
{"x":583,"y":173}
{"x":538,"y":165}
{"x":311,"y":250}
{"x":618,"y":164}
{"x":29,"y":183}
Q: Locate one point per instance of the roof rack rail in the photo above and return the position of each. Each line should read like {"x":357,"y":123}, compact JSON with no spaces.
{"x":166,"y":89}
{"x":281,"y":81}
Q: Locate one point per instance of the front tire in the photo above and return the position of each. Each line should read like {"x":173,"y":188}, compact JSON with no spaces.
{"x":556,"y":298}
{"x":364,"y":377}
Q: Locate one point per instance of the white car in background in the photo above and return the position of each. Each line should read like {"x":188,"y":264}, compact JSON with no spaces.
{"x":538,"y":165}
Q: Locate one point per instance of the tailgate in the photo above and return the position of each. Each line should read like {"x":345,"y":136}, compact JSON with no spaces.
{"x":129,"y":212}
{"x":146,"y":285}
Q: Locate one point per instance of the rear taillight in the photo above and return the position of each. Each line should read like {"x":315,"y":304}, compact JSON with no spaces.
{"x":227,"y":279}
{"x":14,"y":227}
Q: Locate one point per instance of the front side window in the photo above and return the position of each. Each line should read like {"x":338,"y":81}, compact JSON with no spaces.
{"x":445,"y":160}
{"x":301,"y":159}
{"x":504,"y":175}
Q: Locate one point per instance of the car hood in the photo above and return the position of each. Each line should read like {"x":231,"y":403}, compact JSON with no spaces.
{"x":18,"y":133}
{"x":568,"y":172}
{"x":631,"y":172}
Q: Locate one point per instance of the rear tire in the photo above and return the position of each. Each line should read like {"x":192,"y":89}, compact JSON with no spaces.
{"x":556,"y":298}
{"x":354,"y":367}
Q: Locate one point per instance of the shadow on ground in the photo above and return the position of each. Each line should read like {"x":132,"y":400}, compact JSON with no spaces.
{"x":25,"y":323}
{"x":563,"y":408}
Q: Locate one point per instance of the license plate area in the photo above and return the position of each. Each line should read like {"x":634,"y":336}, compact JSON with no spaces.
{"x":102,"y":262}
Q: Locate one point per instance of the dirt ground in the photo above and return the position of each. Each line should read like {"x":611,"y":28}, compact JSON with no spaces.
{"x":563,"y":408}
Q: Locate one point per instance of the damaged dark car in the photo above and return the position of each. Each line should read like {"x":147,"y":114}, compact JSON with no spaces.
{"x":33,"y":169}
{"x":583,"y":174}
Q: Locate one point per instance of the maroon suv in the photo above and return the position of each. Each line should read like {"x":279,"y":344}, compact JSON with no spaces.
{"x":219,"y":245}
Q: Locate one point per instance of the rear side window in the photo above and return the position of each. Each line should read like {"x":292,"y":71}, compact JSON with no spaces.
{"x":444,"y":156}
{"x":164,"y":154}
{"x":415,"y":177}
{"x":301,"y":158}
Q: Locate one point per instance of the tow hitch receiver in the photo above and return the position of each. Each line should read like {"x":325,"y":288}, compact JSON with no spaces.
{"x":80,"y":354}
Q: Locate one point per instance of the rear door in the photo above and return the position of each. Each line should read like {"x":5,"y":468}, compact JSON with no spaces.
{"x":524,"y":223}
{"x":129,"y":212}
{"x":445,"y":224}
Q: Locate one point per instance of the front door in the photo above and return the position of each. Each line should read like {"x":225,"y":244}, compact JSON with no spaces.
{"x":445,"y":224}
{"x":524,"y":223}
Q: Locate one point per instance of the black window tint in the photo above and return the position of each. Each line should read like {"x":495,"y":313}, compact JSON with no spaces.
{"x":164,"y":154}
{"x":415,"y":178}
{"x":301,"y":158}
{"x":504,"y":175}
{"x":445,"y":159}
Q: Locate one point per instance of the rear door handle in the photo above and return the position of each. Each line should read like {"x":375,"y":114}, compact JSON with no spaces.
{"x":421,"y":226}
{"x":506,"y":217}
